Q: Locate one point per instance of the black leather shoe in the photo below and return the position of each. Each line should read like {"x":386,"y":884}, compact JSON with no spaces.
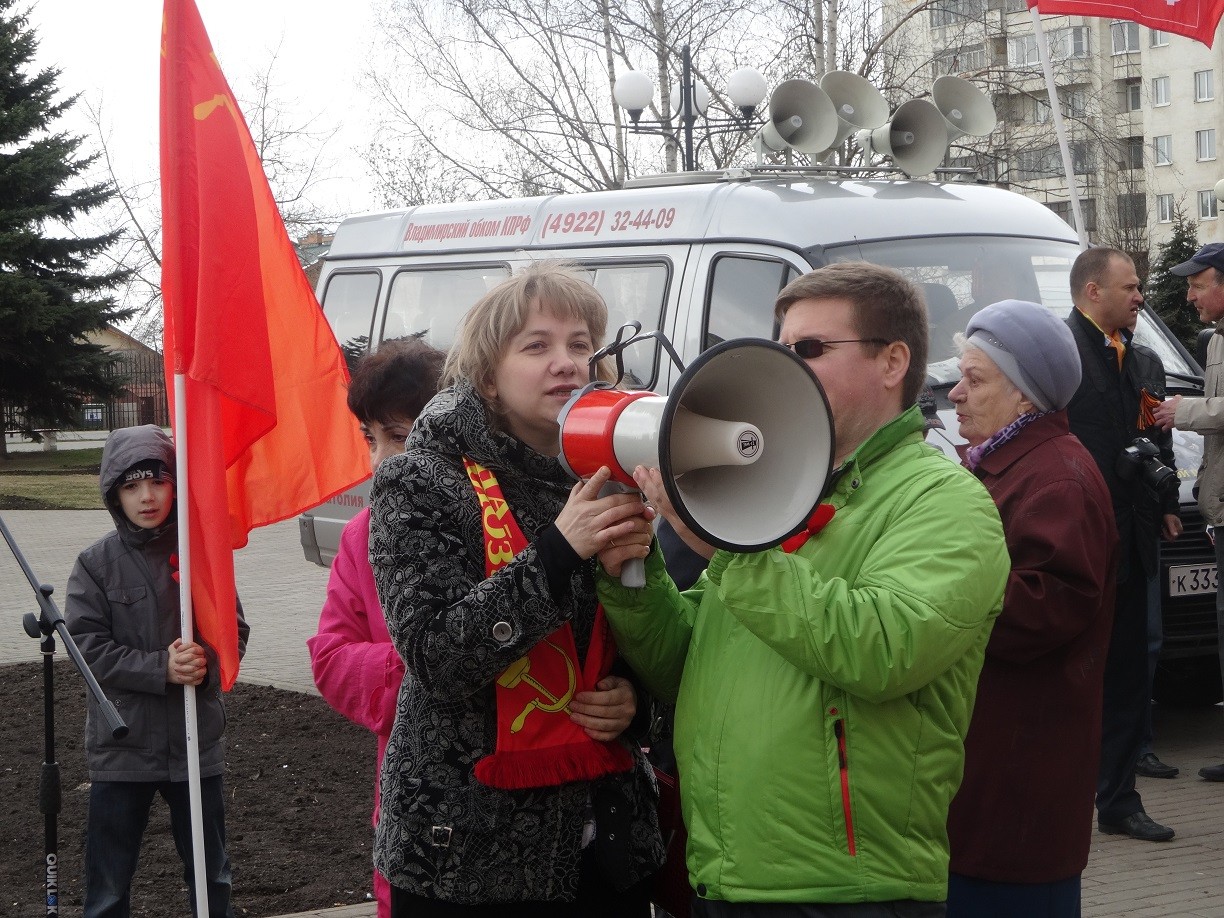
{"x":1137,"y":825}
{"x":1151,"y":767}
{"x":1212,"y":773}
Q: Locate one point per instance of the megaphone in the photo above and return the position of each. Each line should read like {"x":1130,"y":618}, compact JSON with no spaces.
{"x":916,"y":138}
{"x":858,"y":104}
{"x":744,"y":443}
{"x":965,"y":108}
{"x":801,"y":116}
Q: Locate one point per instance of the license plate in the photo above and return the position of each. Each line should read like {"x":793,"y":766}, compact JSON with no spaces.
{"x":1191,"y":579}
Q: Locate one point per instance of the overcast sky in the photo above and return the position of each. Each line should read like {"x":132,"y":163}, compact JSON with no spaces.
{"x":109,"y":52}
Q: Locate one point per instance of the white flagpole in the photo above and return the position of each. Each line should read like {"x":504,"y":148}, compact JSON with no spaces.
{"x":1043,"y":51}
{"x":187,"y":627}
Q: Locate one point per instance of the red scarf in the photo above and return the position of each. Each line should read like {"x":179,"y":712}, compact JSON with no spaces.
{"x":817,"y":521}
{"x":538,"y":745}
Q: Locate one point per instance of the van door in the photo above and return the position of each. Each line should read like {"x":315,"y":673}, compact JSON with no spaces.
{"x":730,"y":293}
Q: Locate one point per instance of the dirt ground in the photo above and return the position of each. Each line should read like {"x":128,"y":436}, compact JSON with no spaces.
{"x":298,"y":782}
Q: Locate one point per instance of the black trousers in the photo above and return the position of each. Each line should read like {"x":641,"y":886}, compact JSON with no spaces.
{"x":596,"y":899}
{"x":898,"y":908}
{"x":1126,"y":699}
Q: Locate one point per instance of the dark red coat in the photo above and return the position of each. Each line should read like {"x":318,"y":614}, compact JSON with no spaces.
{"x":1023,"y":813}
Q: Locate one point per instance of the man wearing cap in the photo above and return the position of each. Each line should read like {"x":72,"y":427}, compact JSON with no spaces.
{"x":1205,"y":415}
{"x":1020,"y":825}
{"x":1122,"y":383}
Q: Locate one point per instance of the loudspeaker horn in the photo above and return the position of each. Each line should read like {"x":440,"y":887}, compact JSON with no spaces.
{"x":916,"y":138}
{"x":965,"y":107}
{"x":745,"y":441}
{"x":801,"y":115}
{"x":858,"y":104}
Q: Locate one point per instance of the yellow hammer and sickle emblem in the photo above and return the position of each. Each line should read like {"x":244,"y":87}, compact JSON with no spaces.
{"x":520,"y":671}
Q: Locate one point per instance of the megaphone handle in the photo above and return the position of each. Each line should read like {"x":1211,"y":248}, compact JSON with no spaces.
{"x":633,"y":574}
{"x":633,"y":571}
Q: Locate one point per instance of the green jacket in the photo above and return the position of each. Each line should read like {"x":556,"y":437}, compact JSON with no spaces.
{"x":823,"y":696}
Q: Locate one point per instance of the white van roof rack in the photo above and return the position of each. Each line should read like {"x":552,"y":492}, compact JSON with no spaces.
{"x":749,"y":173}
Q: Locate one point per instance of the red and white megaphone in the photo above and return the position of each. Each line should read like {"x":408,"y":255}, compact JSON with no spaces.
{"x":744,"y":442}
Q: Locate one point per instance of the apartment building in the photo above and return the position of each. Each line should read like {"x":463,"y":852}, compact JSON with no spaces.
{"x":1143,"y":111}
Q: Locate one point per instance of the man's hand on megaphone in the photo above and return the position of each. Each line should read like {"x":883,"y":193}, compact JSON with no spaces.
{"x":618,"y":524}
{"x":651,"y":483}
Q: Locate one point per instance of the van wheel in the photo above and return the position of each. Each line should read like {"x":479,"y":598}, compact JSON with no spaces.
{"x":1188,"y":682}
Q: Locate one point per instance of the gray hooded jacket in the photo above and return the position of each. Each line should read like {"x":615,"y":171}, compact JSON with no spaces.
{"x":123,"y":611}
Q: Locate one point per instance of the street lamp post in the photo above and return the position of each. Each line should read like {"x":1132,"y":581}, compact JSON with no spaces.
{"x":746,"y":88}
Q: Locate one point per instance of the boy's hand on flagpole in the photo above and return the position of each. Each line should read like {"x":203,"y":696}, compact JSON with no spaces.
{"x":186,"y":664}
{"x":606,"y":711}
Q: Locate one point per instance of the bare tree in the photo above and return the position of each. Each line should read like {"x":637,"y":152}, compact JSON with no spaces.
{"x":293,"y":153}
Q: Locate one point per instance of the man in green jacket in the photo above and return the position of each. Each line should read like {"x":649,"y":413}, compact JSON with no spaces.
{"x":823,"y":694}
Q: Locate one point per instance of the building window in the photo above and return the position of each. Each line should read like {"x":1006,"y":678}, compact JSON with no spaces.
{"x":1022,"y":50}
{"x":1041,"y":111}
{"x":1132,"y":96}
{"x":1046,"y":162}
{"x":1125,"y":37}
{"x":1163,"y":145}
{"x":1204,"y":86}
{"x":1207,"y":205}
{"x":961,"y":60}
{"x":1132,"y":210}
{"x":1074,"y":103}
{"x":1204,"y":144}
{"x":1069,"y":43}
{"x":1132,"y":152}
{"x":1087,"y":211}
{"x":1160,"y":90}
{"x":1164,"y":208}
{"x":1157,"y":38}
{"x":956,"y":12}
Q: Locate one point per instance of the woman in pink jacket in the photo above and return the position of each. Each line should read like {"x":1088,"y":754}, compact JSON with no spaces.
{"x":355,"y":665}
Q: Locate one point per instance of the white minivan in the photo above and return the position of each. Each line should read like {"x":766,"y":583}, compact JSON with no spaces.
{"x":701,"y":257}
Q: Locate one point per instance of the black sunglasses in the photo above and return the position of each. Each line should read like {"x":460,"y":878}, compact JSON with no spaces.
{"x":811,"y":348}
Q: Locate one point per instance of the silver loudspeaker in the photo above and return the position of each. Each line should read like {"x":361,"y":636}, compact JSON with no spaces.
{"x":858,"y":104}
{"x":965,"y":107}
{"x":744,"y":442}
{"x":916,"y":138}
{"x":801,"y":116}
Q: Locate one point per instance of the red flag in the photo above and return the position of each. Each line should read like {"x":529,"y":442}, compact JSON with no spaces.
{"x":1196,"y":19}
{"x":268,"y":430}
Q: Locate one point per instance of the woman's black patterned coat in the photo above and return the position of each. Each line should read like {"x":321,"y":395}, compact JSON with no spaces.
{"x":441,"y":833}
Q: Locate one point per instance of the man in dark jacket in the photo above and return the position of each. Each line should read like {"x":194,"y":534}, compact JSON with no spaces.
{"x":1122,"y":382}
{"x":123,"y":611}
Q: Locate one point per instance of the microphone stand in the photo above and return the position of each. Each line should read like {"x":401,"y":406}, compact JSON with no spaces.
{"x":46,"y":625}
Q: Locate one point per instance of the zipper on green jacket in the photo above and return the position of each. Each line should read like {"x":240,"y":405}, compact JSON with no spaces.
{"x":843,"y":768}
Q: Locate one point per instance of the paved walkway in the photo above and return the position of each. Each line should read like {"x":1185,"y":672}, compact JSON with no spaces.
{"x":283,"y":593}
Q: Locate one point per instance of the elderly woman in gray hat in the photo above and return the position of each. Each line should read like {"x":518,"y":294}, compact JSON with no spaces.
{"x":1020,"y":824}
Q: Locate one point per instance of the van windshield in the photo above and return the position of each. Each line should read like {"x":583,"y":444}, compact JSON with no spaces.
{"x":959,"y":275}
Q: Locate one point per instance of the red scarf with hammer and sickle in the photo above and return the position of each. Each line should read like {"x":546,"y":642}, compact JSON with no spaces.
{"x":538,"y":745}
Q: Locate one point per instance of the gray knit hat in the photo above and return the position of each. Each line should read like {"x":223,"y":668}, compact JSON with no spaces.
{"x":1033,"y":348}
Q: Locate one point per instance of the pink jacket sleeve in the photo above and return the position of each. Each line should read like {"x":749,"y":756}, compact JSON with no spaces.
{"x":355,"y":665}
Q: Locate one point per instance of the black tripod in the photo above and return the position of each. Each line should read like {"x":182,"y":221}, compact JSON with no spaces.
{"x":45,"y":625}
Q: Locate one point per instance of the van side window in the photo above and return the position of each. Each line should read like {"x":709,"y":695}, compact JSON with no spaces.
{"x":633,"y":293}
{"x":742,"y":295}
{"x":433,"y":301}
{"x":348,"y":303}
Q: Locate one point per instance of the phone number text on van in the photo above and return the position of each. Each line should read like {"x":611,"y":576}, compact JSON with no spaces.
{"x":618,"y":221}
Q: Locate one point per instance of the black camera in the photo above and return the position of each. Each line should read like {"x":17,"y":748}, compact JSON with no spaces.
{"x":1141,"y":460}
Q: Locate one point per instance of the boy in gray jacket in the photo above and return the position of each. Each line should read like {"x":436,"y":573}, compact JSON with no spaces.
{"x":123,"y":611}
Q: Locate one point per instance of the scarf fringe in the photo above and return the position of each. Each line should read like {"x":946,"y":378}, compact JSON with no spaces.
{"x":552,"y":765}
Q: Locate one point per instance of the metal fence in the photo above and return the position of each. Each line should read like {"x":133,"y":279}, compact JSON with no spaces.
{"x":144,"y":395}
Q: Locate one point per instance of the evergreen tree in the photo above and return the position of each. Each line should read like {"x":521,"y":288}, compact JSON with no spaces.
{"x":1165,"y":291}
{"x":49,"y":301}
